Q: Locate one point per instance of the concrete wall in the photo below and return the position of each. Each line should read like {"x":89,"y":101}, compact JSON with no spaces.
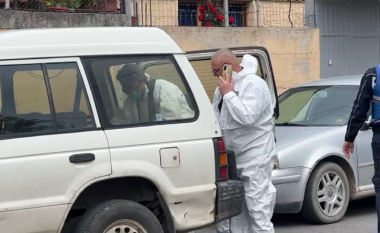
{"x":276,"y":14}
{"x":272,"y":13}
{"x":294,"y":52}
{"x":28,"y":19}
{"x":151,"y":13}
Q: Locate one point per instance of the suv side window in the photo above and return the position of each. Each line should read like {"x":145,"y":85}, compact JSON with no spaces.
{"x":27,"y":106}
{"x":25,"y":102}
{"x":140,"y":90}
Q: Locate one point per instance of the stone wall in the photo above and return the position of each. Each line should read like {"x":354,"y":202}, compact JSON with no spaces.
{"x":28,"y":19}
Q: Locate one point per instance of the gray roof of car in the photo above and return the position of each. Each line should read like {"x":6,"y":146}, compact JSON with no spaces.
{"x":341,"y":80}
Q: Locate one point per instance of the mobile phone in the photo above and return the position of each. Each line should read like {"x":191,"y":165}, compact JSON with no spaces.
{"x":227,"y":69}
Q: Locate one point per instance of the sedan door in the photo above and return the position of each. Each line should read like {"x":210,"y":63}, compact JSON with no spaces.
{"x":365,"y":160}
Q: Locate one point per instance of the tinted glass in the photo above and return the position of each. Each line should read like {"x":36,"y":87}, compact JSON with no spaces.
{"x":25,"y":102}
{"x":71,"y":106}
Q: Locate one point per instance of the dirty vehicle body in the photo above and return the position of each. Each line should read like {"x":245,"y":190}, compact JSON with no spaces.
{"x":69,"y":169}
{"x":313,"y":175}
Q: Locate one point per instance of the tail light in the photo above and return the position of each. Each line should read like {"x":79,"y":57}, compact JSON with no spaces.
{"x":222,"y":161}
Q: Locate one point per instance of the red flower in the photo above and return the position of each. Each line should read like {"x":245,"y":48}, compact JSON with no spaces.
{"x":208,"y":24}
{"x":202,"y":9}
{"x":201,"y":17}
{"x":231,"y":19}
{"x":214,"y":10}
{"x":211,"y":5}
{"x":220,"y":17}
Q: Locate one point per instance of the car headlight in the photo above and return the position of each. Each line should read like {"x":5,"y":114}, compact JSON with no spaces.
{"x":276,"y":165}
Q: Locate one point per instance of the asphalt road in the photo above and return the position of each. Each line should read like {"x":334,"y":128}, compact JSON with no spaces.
{"x":360,"y":217}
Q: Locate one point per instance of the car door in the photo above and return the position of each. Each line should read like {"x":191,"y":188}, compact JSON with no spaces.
{"x":201,"y":62}
{"x":364,"y":157}
{"x":173,"y":147}
{"x":51,"y":142}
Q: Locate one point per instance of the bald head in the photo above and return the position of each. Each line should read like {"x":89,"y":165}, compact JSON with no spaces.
{"x":221,"y":57}
{"x":224,"y":54}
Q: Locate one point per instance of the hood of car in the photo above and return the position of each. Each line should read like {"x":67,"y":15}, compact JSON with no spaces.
{"x":289,"y":135}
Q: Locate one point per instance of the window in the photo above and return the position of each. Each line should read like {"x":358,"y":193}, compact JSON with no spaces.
{"x":317,"y":106}
{"x":209,"y":82}
{"x":140,"y":90}
{"x":72,"y":109}
{"x":26,"y":106}
{"x":238,"y":11}
{"x":187,"y":14}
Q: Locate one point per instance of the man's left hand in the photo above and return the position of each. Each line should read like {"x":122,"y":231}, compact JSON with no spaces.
{"x":348,"y":149}
{"x":226,"y":86}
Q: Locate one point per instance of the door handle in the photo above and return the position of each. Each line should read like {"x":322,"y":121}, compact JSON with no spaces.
{"x":81,"y":158}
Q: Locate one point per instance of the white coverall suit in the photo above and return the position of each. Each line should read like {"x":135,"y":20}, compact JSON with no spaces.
{"x":247,"y":128}
{"x":170,"y":103}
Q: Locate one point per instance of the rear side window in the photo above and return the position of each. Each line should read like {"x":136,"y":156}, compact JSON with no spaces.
{"x":42,"y":98}
{"x":28,"y":109}
{"x":71,"y":107}
{"x":141,"y":90}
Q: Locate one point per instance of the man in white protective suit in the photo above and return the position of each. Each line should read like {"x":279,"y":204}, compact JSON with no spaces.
{"x":244,"y":109}
{"x":148,"y":99}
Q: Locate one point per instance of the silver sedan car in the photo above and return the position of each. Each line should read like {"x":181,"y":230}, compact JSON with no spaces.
{"x":312,"y":176}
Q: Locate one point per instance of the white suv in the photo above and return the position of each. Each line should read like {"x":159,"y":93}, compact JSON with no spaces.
{"x":67,"y":168}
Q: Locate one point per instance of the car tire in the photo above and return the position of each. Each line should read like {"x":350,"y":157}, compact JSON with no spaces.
{"x":118,"y":216}
{"x":327,"y":194}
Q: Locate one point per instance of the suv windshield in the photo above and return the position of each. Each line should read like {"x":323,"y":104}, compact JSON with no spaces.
{"x":316,"y":106}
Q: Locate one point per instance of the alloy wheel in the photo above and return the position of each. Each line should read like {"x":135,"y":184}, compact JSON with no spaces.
{"x":331,"y":193}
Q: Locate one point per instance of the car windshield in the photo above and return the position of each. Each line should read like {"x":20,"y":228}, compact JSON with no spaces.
{"x":316,"y":106}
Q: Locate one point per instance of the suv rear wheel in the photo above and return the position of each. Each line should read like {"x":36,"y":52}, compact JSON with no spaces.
{"x":327,"y":194}
{"x":118,"y":216}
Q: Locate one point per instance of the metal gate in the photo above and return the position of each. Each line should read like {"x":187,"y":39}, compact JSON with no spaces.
{"x":349,"y":36}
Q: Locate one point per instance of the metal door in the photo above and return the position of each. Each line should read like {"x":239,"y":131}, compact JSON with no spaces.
{"x":349,"y":36}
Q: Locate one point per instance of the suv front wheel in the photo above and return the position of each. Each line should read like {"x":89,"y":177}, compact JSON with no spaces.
{"x":327,"y":194}
{"x":118,"y":216}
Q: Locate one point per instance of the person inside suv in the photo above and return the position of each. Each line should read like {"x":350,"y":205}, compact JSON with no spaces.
{"x":149,"y":99}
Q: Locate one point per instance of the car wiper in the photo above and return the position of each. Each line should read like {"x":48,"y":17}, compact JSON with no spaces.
{"x":289,"y":124}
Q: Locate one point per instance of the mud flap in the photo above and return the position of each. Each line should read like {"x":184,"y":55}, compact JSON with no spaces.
{"x":230,"y":199}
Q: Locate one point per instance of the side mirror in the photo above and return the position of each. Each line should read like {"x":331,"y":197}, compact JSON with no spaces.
{"x":366,"y":126}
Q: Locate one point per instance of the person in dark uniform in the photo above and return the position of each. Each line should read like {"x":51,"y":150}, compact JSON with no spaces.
{"x":368,"y":94}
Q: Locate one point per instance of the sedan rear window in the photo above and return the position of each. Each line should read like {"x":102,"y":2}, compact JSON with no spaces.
{"x":317,"y":105}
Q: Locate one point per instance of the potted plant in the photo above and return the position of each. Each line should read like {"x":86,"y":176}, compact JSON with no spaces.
{"x":212,"y":15}
{"x":84,"y":4}
{"x":104,"y":5}
{"x":61,"y":5}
